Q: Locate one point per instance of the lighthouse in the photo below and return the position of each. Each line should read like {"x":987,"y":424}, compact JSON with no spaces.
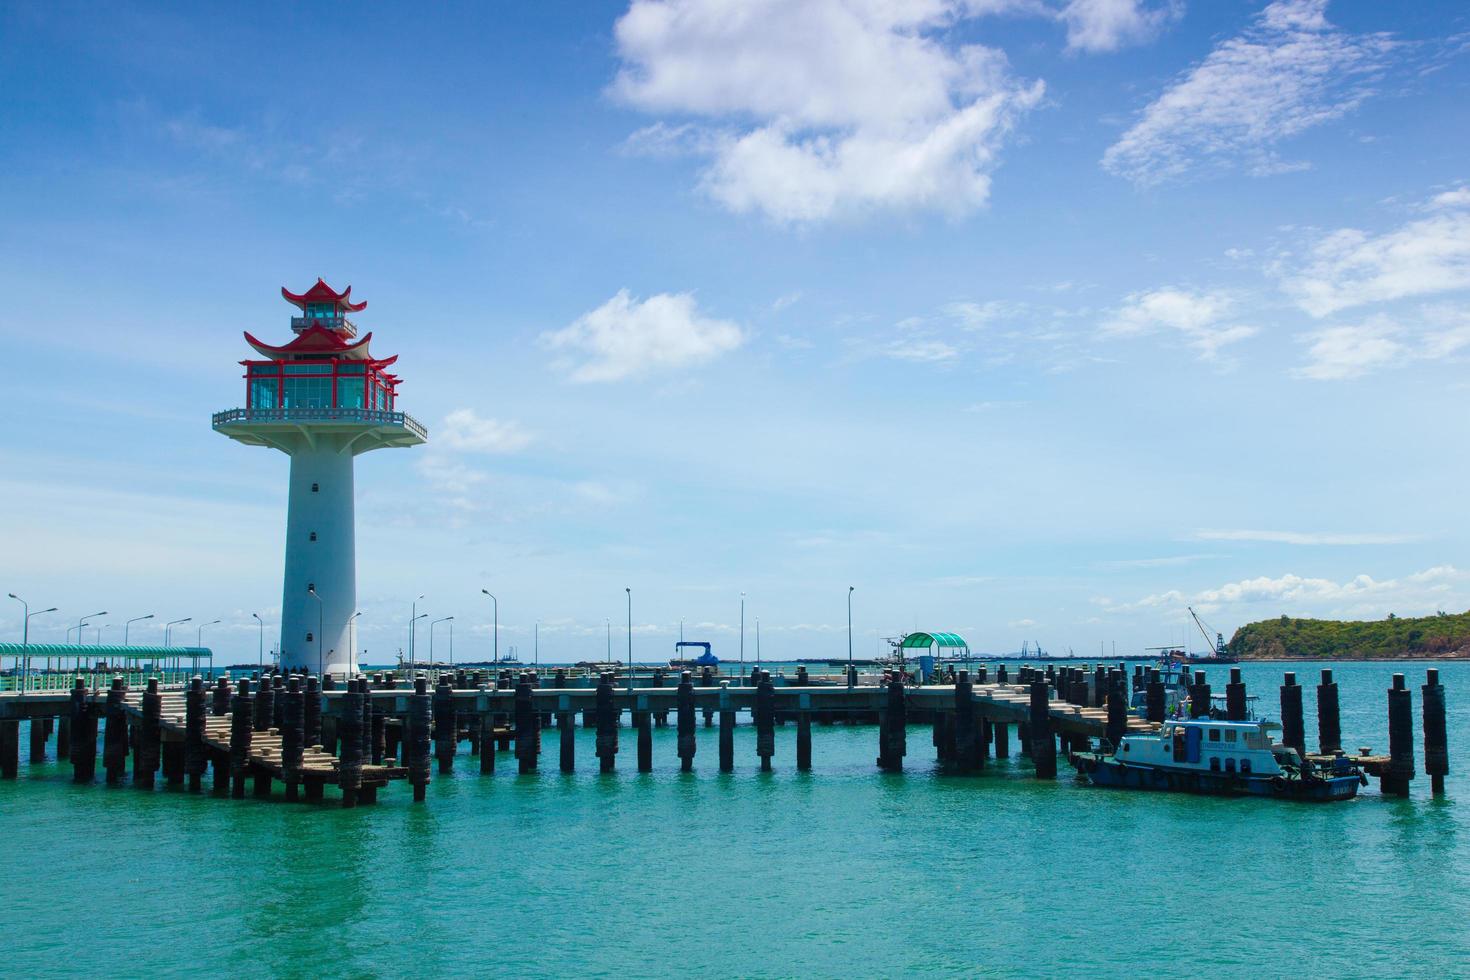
{"x":322,"y":399}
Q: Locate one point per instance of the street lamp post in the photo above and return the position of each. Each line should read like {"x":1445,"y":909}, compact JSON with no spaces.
{"x":260,"y":651}
{"x":535,"y":645}
{"x":168,"y":630}
{"x":321,"y":614}
{"x":849,"y":635}
{"x":757,"y":642}
{"x":84,"y":621}
{"x":609,"y":641}
{"x":413,"y":617}
{"x":432,"y":624}
{"x":25,"y":639}
{"x":135,"y":619}
{"x":629,"y":590}
{"x":742,"y":638}
{"x":352,"y":634}
{"x":495,"y":630}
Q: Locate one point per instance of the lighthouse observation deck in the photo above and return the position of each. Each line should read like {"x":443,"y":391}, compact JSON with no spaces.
{"x":378,"y":429}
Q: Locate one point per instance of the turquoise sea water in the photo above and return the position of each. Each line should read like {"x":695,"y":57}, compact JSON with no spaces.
{"x":840,"y":872}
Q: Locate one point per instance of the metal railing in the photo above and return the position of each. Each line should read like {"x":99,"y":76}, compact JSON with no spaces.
{"x":362,"y":416}
{"x":52,"y":682}
{"x":299,"y":323}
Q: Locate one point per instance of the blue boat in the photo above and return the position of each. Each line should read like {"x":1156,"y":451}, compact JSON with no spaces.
{"x":1224,"y":758}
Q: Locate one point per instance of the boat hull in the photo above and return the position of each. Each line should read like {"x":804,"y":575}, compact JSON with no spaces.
{"x":1105,"y":771}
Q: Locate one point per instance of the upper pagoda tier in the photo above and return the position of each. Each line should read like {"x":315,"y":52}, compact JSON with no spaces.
{"x":322,"y":306}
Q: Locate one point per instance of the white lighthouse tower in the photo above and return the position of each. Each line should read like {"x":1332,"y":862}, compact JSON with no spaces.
{"x":321,"y":399}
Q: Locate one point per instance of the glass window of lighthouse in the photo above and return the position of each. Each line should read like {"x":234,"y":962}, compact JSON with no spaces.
{"x":308,"y":392}
{"x":349,"y":392}
{"x":263,"y":392}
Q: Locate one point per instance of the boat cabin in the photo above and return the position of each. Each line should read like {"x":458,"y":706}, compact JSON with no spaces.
{"x":1208,"y":745}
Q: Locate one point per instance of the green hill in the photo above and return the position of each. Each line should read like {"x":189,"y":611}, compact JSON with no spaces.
{"x":1444,"y":635}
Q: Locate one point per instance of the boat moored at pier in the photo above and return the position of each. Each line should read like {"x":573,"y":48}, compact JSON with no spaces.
{"x":1227,"y":758}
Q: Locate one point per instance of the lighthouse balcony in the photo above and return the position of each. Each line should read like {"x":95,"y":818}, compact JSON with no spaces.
{"x":255,"y":425}
{"x":339,"y":324}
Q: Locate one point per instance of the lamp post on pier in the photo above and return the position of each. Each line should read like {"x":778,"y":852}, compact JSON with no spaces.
{"x":629,"y":590}
{"x":432,"y":624}
{"x":742,"y":638}
{"x":849,"y":635}
{"x":413,"y":618}
{"x":260,"y":652}
{"x":352,"y":635}
{"x":135,"y":619}
{"x":495,"y":630}
{"x":321,"y":615}
{"x":25,"y":639}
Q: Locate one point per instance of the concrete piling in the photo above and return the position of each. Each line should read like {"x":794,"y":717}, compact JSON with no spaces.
{"x":1001,"y":733}
{"x":727,"y":731}
{"x":145,"y":754}
{"x":765,"y":720}
{"x":803,"y":739}
{"x":1199,"y":696}
{"x":643,"y":721}
{"x":221,"y":697}
{"x":265,"y":705}
{"x":278,"y":704}
{"x":378,"y":734}
{"x":893,"y":727}
{"x":1117,"y":705}
{"x":38,"y":740}
{"x":1155,"y":700}
{"x":311,"y":711}
{"x":1395,"y":779}
{"x":293,"y":735}
{"x":446,"y":724}
{"x":966,"y":755}
{"x":349,"y":732}
{"x":9,"y":748}
{"x":1293,"y":729}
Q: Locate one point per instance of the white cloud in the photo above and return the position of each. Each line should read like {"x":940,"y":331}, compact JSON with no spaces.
{"x":1302,"y":537}
{"x":1107,"y":25}
{"x":464,"y":431}
{"x":1349,"y":268}
{"x":824,"y":107}
{"x":1457,"y":198}
{"x":628,"y":337}
{"x":1195,"y":316}
{"x":1343,"y":352}
{"x":1360,"y":595}
{"x":1289,"y":71}
{"x":1020,"y":624}
{"x":921,"y":349}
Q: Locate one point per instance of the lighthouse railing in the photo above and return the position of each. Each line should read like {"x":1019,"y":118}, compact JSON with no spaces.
{"x":356,"y":416}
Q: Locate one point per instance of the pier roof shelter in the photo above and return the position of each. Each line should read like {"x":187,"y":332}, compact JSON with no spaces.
{"x":927,"y":642}
{"x":28,"y":656}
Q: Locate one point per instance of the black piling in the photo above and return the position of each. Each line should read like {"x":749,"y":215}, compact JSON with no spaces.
{"x":145,"y":754}
{"x":420,"y":724}
{"x":1293,"y":727}
{"x":643,"y":721}
{"x":727,"y":734}
{"x":311,"y":712}
{"x":567,"y":729}
{"x":83,"y":735}
{"x":221,"y":697}
{"x":967,"y":753}
{"x":9,"y":748}
{"x":528,"y":727}
{"x":378,"y":735}
{"x":707,"y":679}
{"x":196,"y":759}
{"x":1235,"y":699}
{"x":803,"y":740}
{"x":1329,"y":722}
{"x":688,"y":743}
{"x":265,"y":705}
{"x":1117,"y":707}
{"x":1395,"y":778}
{"x":1155,"y":699}
{"x":278,"y":704}
{"x":607,"y":724}
{"x":893,"y":727}
{"x":293,"y":735}
{"x":446,"y":724}
{"x":38,"y":740}
{"x":1099,"y":686}
{"x":349,"y":732}
{"x":1199,"y":696}
{"x":1436,"y":741}
{"x":1043,"y":745}
{"x":487,"y":744}
{"x":242,"y":724}
{"x":765,"y":720}
{"x":1001,"y":733}
{"x":115,"y":734}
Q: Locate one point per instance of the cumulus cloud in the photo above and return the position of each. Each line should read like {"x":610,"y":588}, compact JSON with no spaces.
{"x":1348,"y":267}
{"x":1107,"y":25}
{"x":1289,"y":71}
{"x":1200,"y":318}
{"x":1347,"y":351}
{"x":464,"y":431}
{"x":627,"y":337}
{"x":810,"y":110}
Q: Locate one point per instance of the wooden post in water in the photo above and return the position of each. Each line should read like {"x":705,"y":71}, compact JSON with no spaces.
{"x":1395,"y":779}
{"x":420,"y":721}
{"x":1436,"y":741}
{"x":1043,"y":745}
{"x":1329,"y":723}
{"x":195,"y":760}
{"x":1293,"y":727}
{"x":83,"y":735}
{"x":242,"y":707}
{"x":684,"y":719}
{"x":1235,"y":699}
{"x":607,"y":724}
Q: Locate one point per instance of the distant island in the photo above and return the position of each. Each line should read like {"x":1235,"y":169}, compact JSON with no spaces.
{"x":1443,"y":636}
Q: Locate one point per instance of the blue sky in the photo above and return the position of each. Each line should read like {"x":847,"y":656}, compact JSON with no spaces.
{"x":1038,"y":320}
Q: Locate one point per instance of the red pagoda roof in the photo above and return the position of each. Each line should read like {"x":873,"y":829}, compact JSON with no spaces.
{"x":318,"y":340}
{"x":322,"y":293}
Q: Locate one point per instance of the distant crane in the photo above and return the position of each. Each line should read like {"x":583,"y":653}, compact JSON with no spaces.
{"x":1219,"y":642}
